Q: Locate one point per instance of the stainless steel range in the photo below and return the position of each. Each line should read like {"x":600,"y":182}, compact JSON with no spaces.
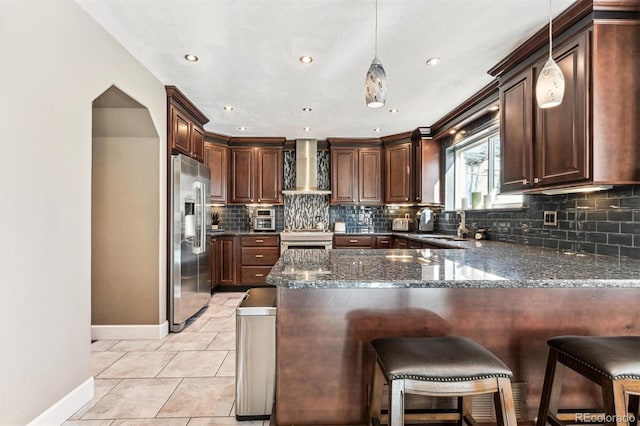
{"x":305,"y":238}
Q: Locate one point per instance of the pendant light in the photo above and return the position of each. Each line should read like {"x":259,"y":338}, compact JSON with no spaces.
{"x":550,"y":84}
{"x":375,"y":84}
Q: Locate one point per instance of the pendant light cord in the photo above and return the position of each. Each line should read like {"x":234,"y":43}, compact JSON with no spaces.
{"x":376,"y":43}
{"x":550,"y":31}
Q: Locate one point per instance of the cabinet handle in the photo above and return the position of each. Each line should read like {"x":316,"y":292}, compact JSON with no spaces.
{"x":259,"y":241}
{"x":258,"y":199}
{"x":353,"y":241}
{"x":259,"y":275}
{"x":259,"y":256}
{"x":536,"y":180}
{"x":525,"y":181}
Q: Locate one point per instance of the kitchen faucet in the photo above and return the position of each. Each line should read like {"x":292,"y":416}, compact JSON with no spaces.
{"x":462,"y":227}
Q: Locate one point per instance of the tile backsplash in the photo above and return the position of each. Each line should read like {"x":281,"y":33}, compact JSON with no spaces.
{"x":604,"y":222}
{"x":368,"y":219}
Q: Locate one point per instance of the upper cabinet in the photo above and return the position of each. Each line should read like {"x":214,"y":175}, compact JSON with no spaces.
{"x":590,"y":138}
{"x":216,"y":157}
{"x":398,"y":173}
{"x":356,"y":172}
{"x":427,"y":168}
{"x":185,"y":123}
{"x":256,"y":173}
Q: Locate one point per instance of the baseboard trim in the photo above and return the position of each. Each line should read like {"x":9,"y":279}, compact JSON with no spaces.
{"x":59,"y":412}
{"x":128,"y":332}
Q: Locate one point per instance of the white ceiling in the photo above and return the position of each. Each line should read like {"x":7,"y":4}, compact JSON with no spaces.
{"x":249,"y":52}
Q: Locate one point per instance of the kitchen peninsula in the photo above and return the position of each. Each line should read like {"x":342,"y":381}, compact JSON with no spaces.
{"x":508,"y":298}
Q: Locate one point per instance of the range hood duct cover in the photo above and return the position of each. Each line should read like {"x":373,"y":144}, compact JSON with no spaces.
{"x":306,"y":169}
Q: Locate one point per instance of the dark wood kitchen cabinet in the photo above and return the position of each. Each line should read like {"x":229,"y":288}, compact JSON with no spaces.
{"x":185,"y":125}
{"x":384,"y":242}
{"x":258,"y":256}
{"x":590,"y":137}
{"x":353,"y":241}
{"x":356,"y":175}
{"x":256,"y":175}
{"x":398,"y":177}
{"x":427,"y":188}
{"x":215,"y":269}
{"x":227,"y":257}
{"x":216,"y":157}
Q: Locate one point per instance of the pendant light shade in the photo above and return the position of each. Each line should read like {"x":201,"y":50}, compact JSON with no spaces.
{"x":375,"y":83}
{"x":550,"y":83}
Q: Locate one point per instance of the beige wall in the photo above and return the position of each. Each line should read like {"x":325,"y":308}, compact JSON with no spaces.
{"x":124,"y":251}
{"x":55,"y":61}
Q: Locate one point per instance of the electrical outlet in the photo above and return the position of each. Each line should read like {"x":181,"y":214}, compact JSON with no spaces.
{"x":550,"y":218}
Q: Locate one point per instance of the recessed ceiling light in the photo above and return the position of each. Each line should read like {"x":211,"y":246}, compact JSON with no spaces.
{"x":307,"y":129}
{"x":394,"y":110}
{"x":452,"y":131}
{"x":494,"y":108}
{"x":242,"y":128}
{"x":306,"y":109}
{"x":228,"y":108}
{"x":463,"y":132}
{"x":191,"y":58}
{"x":306,"y":59}
{"x":433,"y":61}
{"x":377,"y":129}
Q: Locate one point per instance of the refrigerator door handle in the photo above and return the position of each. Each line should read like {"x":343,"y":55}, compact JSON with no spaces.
{"x":199,"y":245}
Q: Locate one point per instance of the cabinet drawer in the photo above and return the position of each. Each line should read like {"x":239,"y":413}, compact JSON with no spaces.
{"x":384,"y":242}
{"x":270,"y":241}
{"x":414,"y":244}
{"x":255,"y":274}
{"x":344,"y":241}
{"x":257,"y":256}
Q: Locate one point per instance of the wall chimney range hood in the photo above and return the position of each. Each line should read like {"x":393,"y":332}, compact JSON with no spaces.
{"x":306,"y":169}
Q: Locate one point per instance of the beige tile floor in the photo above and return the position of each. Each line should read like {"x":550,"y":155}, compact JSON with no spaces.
{"x":186,"y":378}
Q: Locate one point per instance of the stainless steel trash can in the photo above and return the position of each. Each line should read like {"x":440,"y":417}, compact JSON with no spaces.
{"x":256,"y":354}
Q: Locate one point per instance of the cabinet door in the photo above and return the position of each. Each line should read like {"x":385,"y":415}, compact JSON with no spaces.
{"x":516,"y":132}
{"x":384,"y":242}
{"x":269,"y":178}
{"x":427,"y":171}
{"x":397,"y":167}
{"x":197,"y":143}
{"x":180,"y":132}
{"x":344,"y":175}
{"x":216,"y":158}
{"x":242,"y":175}
{"x":401,"y":243}
{"x":213,"y":249}
{"x":227,"y":260}
{"x":562,"y":136}
{"x":370,"y":176}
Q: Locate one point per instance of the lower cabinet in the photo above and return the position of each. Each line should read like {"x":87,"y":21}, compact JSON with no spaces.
{"x":384,"y":242}
{"x":227,"y":260}
{"x":345,"y":241}
{"x":258,"y":255}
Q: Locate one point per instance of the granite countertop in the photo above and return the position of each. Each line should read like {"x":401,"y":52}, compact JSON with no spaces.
{"x":481,"y":264}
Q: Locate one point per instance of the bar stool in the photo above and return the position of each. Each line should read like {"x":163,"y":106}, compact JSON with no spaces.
{"x":438,"y":366}
{"x":611,"y":362}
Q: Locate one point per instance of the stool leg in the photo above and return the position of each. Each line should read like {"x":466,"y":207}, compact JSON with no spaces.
{"x":551,"y":389}
{"x":634,"y":409}
{"x":466,"y":410}
{"x":396,"y":403}
{"x":615,"y":407}
{"x":375,"y":398}
{"x":503,"y":400}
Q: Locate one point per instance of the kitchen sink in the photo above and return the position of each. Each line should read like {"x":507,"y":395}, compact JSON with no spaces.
{"x":441,"y":237}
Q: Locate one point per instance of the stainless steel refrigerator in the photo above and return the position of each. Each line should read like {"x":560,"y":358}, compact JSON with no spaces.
{"x":190,"y":260}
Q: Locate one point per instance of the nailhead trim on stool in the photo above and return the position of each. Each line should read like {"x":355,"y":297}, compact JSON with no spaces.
{"x":613,"y":362}
{"x":438,"y":366}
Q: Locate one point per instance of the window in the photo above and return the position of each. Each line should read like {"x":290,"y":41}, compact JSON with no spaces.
{"x":476,"y":173}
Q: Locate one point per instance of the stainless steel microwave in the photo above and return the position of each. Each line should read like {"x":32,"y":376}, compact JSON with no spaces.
{"x":264,"y":219}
